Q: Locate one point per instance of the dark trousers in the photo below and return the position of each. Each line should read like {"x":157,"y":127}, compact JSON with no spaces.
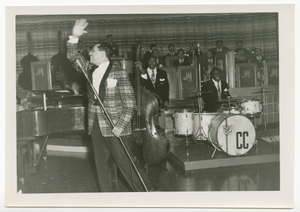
{"x":110,"y":155}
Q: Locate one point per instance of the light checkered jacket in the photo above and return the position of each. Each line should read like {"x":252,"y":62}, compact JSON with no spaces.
{"x":119,"y":100}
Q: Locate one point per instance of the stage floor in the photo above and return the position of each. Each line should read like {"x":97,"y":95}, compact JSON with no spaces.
{"x":199,"y":155}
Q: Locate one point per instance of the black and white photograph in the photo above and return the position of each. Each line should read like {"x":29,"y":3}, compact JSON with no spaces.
{"x":101,"y":113}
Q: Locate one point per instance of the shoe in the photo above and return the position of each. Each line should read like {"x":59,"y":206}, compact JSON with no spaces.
{"x":155,"y":189}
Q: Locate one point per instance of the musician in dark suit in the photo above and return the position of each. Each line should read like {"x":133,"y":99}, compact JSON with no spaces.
{"x":114,"y":45}
{"x":258,"y":58}
{"x":147,"y":55}
{"x":116,"y":93}
{"x":156,"y":81}
{"x":160,"y":61}
{"x":240,"y":45}
{"x":182,"y":59}
{"x":172,"y":51}
{"x":219,"y":49}
{"x":218,"y":88}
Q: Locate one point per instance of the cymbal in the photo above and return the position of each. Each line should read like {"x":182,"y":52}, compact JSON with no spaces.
{"x":197,"y":94}
{"x":228,"y":100}
{"x":256,"y":92}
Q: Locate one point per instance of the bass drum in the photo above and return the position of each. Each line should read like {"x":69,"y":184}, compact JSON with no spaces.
{"x":232,"y":134}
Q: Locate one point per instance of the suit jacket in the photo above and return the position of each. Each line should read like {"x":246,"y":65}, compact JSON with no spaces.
{"x":115,"y":48}
{"x":169,"y":54}
{"x":224,"y":50}
{"x":204,"y":62}
{"x":115,"y":92}
{"x":210,"y":99}
{"x":161,"y":61}
{"x":186,"y":62}
{"x":161,"y":85}
{"x":257,"y":61}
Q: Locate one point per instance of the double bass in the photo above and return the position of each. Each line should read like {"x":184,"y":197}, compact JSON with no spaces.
{"x":24,"y":79}
{"x":63,"y":72}
{"x":149,"y":135}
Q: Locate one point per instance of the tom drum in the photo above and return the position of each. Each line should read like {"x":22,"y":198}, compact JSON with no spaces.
{"x":183,"y":122}
{"x":251,"y":107}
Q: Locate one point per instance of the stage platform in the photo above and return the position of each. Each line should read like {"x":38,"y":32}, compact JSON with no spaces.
{"x":199,"y":155}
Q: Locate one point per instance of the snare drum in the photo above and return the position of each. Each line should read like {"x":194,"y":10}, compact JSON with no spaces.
{"x":231,"y":110}
{"x":183,"y":122}
{"x":232,"y":134}
{"x":206,"y":119}
{"x":251,"y":107}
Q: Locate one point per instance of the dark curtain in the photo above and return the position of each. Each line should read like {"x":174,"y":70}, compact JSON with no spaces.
{"x":255,"y":30}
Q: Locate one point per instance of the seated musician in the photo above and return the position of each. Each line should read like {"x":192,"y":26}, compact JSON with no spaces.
{"x":240,"y":45}
{"x":114,"y":45}
{"x":240,"y":56}
{"x":219,"y":49}
{"x":147,"y":54}
{"x":218,"y":88}
{"x":171,"y":48}
{"x":160,"y":60}
{"x":182,"y":59}
{"x":156,"y":81}
{"x":206,"y":62}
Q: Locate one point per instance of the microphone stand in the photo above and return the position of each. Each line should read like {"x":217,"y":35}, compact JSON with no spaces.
{"x":112,"y":124}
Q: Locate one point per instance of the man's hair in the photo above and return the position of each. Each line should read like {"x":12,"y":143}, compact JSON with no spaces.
{"x":171,"y":45}
{"x":154,"y":50}
{"x":210,"y":52}
{"x":239,"y":50}
{"x":213,"y":69}
{"x":152,"y":56}
{"x":109,"y":35}
{"x":104,"y":46}
{"x":257,"y":49}
{"x":180,"y":50}
{"x":152,"y":45}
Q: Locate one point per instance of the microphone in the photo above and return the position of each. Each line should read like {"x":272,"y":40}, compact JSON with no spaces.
{"x":198,"y":48}
{"x":77,"y":61}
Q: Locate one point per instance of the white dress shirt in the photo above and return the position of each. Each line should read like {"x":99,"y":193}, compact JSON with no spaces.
{"x":150,"y":72}
{"x":98,"y":74}
{"x":216,"y":84}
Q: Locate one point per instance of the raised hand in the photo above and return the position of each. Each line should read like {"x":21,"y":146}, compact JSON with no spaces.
{"x":79,"y":27}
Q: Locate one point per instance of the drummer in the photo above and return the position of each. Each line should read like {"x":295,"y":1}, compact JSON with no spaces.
{"x":218,"y":88}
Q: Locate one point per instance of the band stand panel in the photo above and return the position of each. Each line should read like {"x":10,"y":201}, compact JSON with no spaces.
{"x":198,"y":156}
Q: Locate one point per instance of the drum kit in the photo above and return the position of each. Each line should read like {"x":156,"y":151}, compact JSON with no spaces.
{"x":230,"y":130}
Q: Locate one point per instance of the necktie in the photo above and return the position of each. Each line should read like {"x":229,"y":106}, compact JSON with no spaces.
{"x":219,"y":91}
{"x":153,"y":78}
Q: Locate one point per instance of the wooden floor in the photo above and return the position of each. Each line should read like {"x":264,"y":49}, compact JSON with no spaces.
{"x":192,"y":170}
